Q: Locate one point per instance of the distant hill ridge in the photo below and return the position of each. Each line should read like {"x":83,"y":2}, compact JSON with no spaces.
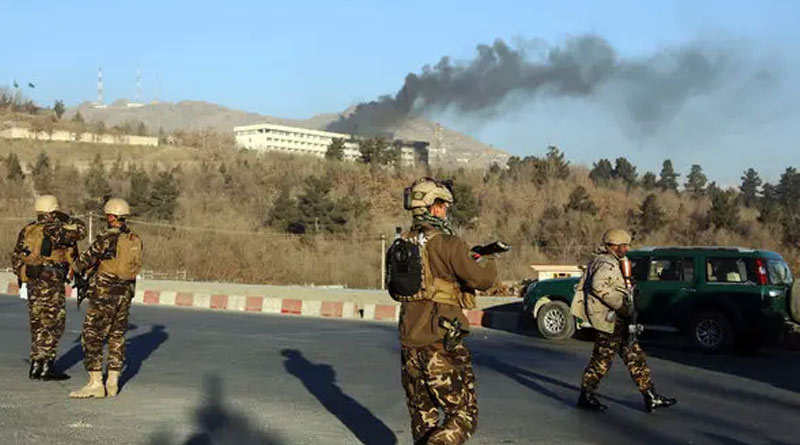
{"x":196,"y":115}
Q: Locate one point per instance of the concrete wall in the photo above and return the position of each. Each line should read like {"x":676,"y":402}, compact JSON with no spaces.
{"x":68,"y":136}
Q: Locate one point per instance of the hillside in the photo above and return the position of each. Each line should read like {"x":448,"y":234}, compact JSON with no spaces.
{"x":461,"y":149}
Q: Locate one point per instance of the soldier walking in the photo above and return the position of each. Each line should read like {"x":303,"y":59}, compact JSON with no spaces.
{"x":436,"y":368}
{"x":42,"y":258}
{"x":112,"y":263}
{"x":601,"y":298}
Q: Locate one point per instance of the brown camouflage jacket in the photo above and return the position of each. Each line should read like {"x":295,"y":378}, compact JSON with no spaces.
{"x":450,"y":260}
{"x":601,"y":292}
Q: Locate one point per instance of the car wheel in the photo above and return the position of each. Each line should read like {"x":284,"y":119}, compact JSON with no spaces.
{"x":555,"y":321}
{"x":711,"y":331}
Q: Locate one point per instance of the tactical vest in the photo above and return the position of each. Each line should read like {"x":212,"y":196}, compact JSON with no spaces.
{"x":126,"y":262}
{"x":409,"y":276}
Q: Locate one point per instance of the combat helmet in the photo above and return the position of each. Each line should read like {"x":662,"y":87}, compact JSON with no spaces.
{"x":616,"y":237}
{"x":46,"y":204}
{"x":425,"y":191}
{"x":117,"y":207}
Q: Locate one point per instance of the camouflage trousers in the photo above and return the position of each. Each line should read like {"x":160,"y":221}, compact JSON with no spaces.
{"x":605,"y":347}
{"x":434,"y":380}
{"x":106,"y":320}
{"x":47,"y":315}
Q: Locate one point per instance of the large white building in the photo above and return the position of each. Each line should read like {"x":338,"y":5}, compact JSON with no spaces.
{"x":303,"y":141}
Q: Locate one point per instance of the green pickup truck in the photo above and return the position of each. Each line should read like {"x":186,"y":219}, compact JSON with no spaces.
{"x":718,"y":296}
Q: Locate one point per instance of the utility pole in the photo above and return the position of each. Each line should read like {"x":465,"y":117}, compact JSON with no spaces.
{"x":90,"y":227}
{"x":383,"y":261}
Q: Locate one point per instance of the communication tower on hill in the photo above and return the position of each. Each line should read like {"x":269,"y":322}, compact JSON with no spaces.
{"x":99,"y":103}
{"x":137,"y":96}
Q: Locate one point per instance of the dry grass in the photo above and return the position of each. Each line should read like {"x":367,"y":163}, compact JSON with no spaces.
{"x":219,"y":231}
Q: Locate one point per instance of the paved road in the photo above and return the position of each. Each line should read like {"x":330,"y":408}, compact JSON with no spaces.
{"x":197,"y":377}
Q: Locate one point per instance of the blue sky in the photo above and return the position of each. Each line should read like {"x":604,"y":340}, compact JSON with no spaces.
{"x":297,"y":59}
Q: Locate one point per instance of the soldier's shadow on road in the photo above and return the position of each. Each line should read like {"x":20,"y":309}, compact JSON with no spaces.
{"x":539,"y":382}
{"x":775,"y":368}
{"x":138,"y":349}
{"x":320,"y":381}
{"x":215,"y":423}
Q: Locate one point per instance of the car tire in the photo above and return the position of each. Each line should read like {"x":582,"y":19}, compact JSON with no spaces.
{"x":711,"y":331}
{"x":555,"y":321}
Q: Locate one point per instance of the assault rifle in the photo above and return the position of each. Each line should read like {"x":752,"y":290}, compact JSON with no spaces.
{"x":82,"y":287}
{"x":634,"y":328}
{"x":489,"y":249}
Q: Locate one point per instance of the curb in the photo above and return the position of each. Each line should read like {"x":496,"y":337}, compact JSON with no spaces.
{"x":291,"y":306}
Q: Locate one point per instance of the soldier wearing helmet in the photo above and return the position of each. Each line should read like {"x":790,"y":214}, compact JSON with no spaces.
{"x":601,"y":298}
{"x":42,"y":258}
{"x":112,"y":263}
{"x":436,"y":366}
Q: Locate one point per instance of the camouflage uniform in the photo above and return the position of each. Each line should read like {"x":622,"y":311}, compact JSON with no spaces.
{"x":435,"y":379}
{"x":46,"y":292}
{"x":604,"y":288}
{"x":109,"y":306}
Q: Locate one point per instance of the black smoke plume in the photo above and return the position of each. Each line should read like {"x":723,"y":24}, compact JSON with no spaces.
{"x":648,"y":91}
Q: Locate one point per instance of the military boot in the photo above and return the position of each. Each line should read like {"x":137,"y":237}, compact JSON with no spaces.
{"x":587,"y":400}
{"x":35,"y":371}
{"x":49,"y":372}
{"x":94,"y":388}
{"x":653,"y":400}
{"x":112,"y":383}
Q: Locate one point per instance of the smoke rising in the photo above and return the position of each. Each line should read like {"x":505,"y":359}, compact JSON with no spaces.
{"x":648,"y":92}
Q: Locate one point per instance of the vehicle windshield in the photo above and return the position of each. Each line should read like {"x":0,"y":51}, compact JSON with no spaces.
{"x":778,"y":272}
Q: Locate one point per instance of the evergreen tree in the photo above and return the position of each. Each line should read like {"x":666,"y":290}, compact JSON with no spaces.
{"x":769,"y":207}
{"x":724,"y":212}
{"x":139,"y":190}
{"x":14,"y":168}
{"x":602,"y":172}
{"x":649,"y":181}
{"x":335,"y":149}
{"x":96,"y":183}
{"x":669,"y":178}
{"x":42,"y":173}
{"x":749,"y":188}
{"x":696,"y":181}
{"x":580,"y":201}
{"x":59,"y":108}
{"x":465,"y":207}
{"x":651,"y":216}
{"x":284,"y":214}
{"x":163,"y":200}
{"x":789,"y":189}
{"x":317,"y":212}
{"x":78,"y":117}
{"x":625,"y":171}
{"x":556,"y":166}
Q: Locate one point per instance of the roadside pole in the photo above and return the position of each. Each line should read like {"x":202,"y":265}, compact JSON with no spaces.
{"x":383,"y":261}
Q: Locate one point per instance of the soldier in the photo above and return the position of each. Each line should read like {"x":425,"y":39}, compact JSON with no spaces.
{"x":601,"y":299}
{"x":436,"y":366}
{"x":112,"y":261}
{"x":42,"y":258}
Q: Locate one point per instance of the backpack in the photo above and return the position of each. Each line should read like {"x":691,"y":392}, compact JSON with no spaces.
{"x":40,"y":249}
{"x":127,"y":260}
{"x":408,"y":272}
